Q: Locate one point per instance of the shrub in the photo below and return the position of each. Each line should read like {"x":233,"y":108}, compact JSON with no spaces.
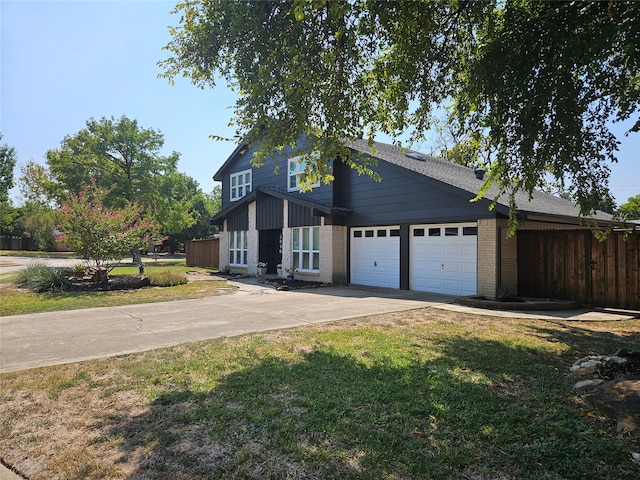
{"x":166,"y":279}
{"x":39,"y":277}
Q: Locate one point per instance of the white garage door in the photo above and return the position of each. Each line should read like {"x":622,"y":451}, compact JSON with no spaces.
{"x":375,"y":256}
{"x":443,"y":258}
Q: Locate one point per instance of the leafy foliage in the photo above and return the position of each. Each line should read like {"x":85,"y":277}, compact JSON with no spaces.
{"x":36,"y":184}
{"x":8,"y":160}
{"x":531,"y":84}
{"x":631,"y":209}
{"x":119,"y":152}
{"x":101,"y":235}
{"x":38,"y":222}
{"x":39,"y":277}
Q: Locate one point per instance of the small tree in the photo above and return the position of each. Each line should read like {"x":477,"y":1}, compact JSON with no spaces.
{"x":101,"y":235}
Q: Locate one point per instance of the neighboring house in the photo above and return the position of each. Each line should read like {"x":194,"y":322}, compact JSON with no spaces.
{"x":415,"y":230}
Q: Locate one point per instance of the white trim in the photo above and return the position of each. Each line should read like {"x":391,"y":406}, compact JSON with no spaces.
{"x":299,"y":166}
{"x":312,"y":251}
{"x":238,"y":248}
{"x":242,"y":186}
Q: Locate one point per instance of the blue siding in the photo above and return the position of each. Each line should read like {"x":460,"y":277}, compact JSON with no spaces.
{"x":272,"y":174}
{"x":406,"y":197}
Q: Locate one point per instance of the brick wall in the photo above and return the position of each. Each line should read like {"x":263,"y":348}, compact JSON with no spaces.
{"x":487,"y":257}
{"x":224,"y":247}
{"x":497,"y":259}
{"x":333,"y":254}
{"x":252,"y":242}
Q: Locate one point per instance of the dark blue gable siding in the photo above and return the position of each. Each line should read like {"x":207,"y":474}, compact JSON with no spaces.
{"x":404,"y":196}
{"x":274,"y":174}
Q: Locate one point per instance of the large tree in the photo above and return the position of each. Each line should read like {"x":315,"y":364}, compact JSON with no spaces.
{"x":532,"y":85}
{"x":125,"y":158}
{"x":8,"y":160}
{"x":631,"y":209}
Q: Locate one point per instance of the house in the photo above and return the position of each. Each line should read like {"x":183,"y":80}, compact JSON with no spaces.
{"x":417,"y":229}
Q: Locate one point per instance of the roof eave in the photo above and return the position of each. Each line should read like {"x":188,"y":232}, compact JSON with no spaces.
{"x":218,"y":175}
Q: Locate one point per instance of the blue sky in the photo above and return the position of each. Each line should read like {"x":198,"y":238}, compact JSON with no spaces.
{"x":66,"y":62}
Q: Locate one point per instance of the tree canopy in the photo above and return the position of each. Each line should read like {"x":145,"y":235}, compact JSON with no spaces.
{"x":8,"y":160}
{"x":631,"y":209}
{"x":532,"y":85}
{"x":125,"y":159}
{"x":101,"y":235}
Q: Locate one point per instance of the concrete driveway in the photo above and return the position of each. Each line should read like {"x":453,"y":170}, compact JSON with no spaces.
{"x":36,"y":340}
{"x":42,"y":339}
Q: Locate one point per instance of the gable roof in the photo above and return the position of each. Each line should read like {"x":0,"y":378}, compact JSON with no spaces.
{"x":240,"y":149}
{"x":464,"y":178}
{"x":541,"y":205}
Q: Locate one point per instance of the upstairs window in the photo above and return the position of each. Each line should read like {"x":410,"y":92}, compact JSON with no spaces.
{"x":297,"y":167}
{"x":240,"y":185}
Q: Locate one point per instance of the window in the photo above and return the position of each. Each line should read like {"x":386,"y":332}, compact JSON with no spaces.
{"x":297,"y":167}
{"x":434,"y":232}
{"x":357,"y":233}
{"x":381,"y":233}
{"x":451,"y":231}
{"x":306,"y":249}
{"x":395,"y":232}
{"x":469,"y":230}
{"x":418,"y":232}
{"x":240,"y":184}
{"x":238,"y":248}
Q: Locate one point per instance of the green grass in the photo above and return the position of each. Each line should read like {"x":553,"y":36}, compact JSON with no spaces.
{"x":406,"y":395}
{"x":36,"y":254}
{"x":19,"y":301}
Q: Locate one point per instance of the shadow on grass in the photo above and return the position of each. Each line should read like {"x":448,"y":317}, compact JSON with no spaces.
{"x":478,"y":409}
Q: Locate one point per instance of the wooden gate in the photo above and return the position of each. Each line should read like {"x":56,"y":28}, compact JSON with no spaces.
{"x":203,"y":253}
{"x":573,"y":265}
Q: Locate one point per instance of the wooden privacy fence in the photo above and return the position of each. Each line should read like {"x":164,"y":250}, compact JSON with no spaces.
{"x":12,"y":242}
{"x":203,"y":253}
{"x":573,"y":265}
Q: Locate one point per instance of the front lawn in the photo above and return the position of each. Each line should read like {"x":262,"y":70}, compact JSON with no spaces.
{"x":425,"y":394}
{"x":16,"y":301}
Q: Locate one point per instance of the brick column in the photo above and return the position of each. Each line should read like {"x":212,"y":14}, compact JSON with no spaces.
{"x":252,"y":241}
{"x":497,"y":258}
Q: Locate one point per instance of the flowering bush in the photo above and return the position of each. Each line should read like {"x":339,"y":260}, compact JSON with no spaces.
{"x":102,"y":236}
{"x":262,"y":265}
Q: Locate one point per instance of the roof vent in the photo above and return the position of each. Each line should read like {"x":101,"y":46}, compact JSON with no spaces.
{"x":417,"y":156}
{"x":479,"y":173}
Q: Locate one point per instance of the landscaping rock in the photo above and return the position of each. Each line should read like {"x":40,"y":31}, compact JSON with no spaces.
{"x":616,"y":391}
{"x":586,"y":385}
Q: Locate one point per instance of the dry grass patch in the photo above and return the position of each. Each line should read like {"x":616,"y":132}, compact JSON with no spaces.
{"x":419,"y":394}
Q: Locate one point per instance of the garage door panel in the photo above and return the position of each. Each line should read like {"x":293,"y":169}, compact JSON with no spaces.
{"x":469,"y":267}
{"x":443,"y":263}
{"x":449,"y":249}
{"x":375,"y":259}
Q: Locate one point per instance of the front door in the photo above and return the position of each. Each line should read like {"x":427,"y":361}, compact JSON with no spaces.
{"x":270,"y":248}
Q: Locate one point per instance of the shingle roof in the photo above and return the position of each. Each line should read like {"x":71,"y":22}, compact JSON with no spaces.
{"x":464,"y":178}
